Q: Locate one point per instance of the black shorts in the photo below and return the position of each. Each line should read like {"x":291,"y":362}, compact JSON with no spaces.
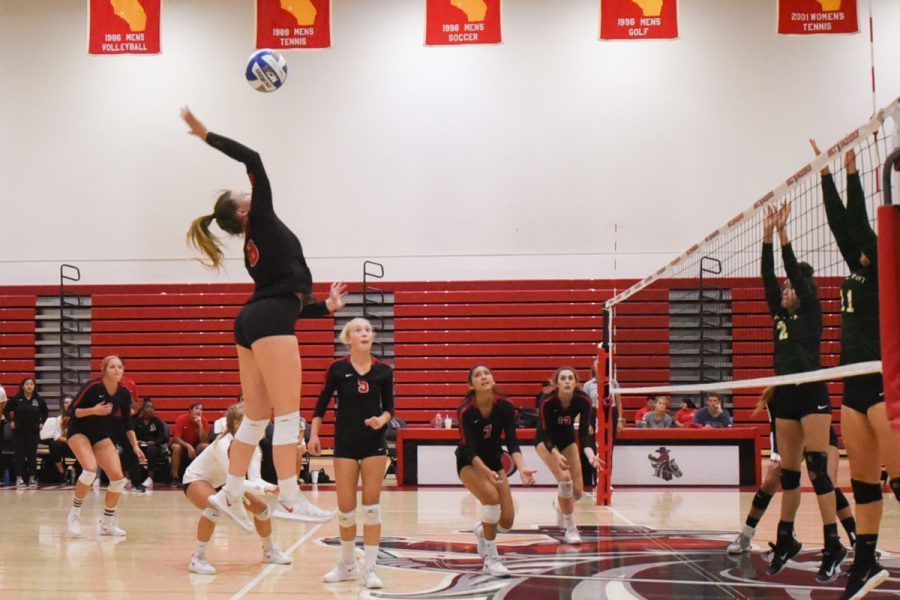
{"x":185,"y":486}
{"x":275,"y":315}
{"x":359,"y":451}
{"x":863,"y":392}
{"x":793,"y":402}
{"x":94,"y":433}
{"x":494,"y":463}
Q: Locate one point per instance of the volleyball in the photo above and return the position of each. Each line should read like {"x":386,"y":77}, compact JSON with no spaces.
{"x":266,"y":70}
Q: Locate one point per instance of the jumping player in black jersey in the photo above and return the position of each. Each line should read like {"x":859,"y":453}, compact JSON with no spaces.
{"x":802,"y":412}
{"x":365,"y":406}
{"x":93,"y":420}
{"x":772,"y":478}
{"x":486,"y":421}
{"x":268,"y":357}
{"x":557,"y":448}
{"x":864,"y":422}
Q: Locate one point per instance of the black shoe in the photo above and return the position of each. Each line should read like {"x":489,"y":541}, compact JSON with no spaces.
{"x":138,"y":489}
{"x":781,"y":553}
{"x":863,"y":579}
{"x":831,"y":563}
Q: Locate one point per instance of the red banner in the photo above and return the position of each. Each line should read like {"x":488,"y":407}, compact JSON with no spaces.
{"x":638,"y":19}
{"x":817,"y":16}
{"x":455,"y":22}
{"x":286,"y":24}
{"x":123,"y":26}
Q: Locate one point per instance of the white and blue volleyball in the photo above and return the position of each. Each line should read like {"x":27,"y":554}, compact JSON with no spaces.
{"x":266,"y":70}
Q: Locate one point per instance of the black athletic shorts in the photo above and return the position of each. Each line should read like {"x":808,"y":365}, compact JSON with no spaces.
{"x":274,"y":315}
{"x":95,"y":433}
{"x":794,"y":402}
{"x":863,"y":392}
{"x":494,"y":463}
{"x":359,"y":451}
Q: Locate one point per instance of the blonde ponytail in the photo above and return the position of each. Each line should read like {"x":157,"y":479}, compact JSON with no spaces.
{"x":201,"y":238}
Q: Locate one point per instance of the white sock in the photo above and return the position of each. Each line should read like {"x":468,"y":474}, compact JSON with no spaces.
{"x":570,"y":521}
{"x":288,"y":490}
{"x":267,"y":543}
{"x":234,"y":485}
{"x":371,"y":556}
{"x":201,"y":549}
{"x":749,"y":531}
{"x":490,"y":548}
{"x":347,"y":554}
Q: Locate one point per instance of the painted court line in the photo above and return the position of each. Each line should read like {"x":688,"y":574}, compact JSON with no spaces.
{"x":262,"y":574}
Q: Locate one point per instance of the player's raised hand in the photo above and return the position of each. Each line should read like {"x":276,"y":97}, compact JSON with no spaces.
{"x":196,"y":127}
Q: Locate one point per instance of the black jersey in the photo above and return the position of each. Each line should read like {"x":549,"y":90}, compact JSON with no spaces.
{"x":797,"y":336}
{"x":94,"y":393}
{"x":27,"y":413}
{"x":482,"y":436}
{"x":860,"y":336}
{"x":358,"y":398}
{"x":152,"y":431}
{"x":272,"y":253}
{"x":556,"y":428}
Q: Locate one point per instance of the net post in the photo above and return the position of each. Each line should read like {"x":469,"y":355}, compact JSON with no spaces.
{"x":889,"y":293}
{"x":604,"y":434}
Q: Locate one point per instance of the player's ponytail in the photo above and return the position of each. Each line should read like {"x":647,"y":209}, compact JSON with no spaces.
{"x":764,"y":399}
{"x":204,"y":241}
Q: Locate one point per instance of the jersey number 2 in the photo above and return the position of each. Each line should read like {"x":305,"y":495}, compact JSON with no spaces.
{"x":782,"y":330}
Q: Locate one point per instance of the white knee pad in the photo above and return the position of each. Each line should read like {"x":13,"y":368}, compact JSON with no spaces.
{"x":371,"y":514}
{"x":117,"y":486}
{"x":565,"y":489}
{"x":347,"y":519}
{"x":211,"y":514}
{"x":265,"y":515}
{"x":250,"y":432}
{"x":287,"y":429}
{"x":87,"y":477}
{"x":490,"y":513}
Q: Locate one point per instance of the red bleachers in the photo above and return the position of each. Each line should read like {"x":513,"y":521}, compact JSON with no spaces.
{"x":16,"y":339}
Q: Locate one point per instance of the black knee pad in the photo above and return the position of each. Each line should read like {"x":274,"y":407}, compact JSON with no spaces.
{"x":790,"y":480}
{"x":865,"y":493}
{"x":895,"y":485}
{"x":840,"y":500}
{"x":817,"y":466}
{"x":761,"y":500}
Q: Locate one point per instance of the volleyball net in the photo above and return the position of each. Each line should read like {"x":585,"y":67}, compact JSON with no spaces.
{"x":701,"y":323}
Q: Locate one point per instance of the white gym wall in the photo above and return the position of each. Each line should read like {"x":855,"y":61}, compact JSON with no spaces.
{"x":494,"y":162}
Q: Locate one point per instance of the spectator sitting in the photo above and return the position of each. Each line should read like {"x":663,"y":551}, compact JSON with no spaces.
{"x":658,"y":418}
{"x":189,"y":437}
{"x":650,"y":406}
{"x":713,"y":415}
{"x":590,"y":386}
{"x":685,"y":415}
{"x":53,"y":434}
{"x":546,"y":390}
{"x":268,"y":465}
{"x":152,"y":435}
{"x":26,"y":412}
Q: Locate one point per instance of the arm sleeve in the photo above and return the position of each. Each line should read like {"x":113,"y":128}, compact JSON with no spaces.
{"x":162,"y":437}
{"x":314,"y":310}
{"x":326,"y":394}
{"x":262,"y":190}
{"x":126,"y":413}
{"x":861,"y":230}
{"x":837,"y":221}
{"x":809,"y":298}
{"x":543,"y":433}
{"x":468,"y":434}
{"x":387,"y":392}
{"x":767,"y":267}
{"x":509,"y":427}
{"x":584,"y":427}
{"x":43,"y":407}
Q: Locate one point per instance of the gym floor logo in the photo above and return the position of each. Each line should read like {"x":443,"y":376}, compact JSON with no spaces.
{"x":664,"y":466}
{"x":632,"y":562}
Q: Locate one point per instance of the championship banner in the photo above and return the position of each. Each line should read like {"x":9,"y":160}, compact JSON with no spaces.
{"x":123,"y":26}
{"x":456,"y":22}
{"x":805,"y":17}
{"x":638,"y":19}
{"x":286,"y":24}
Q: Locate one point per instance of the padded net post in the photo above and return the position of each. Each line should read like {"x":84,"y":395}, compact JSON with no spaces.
{"x":604,"y":434}
{"x":889,"y":300}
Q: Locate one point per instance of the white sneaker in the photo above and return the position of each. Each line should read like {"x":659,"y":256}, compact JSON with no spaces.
{"x":20,"y":483}
{"x":560,"y":519}
{"x":478,"y":530}
{"x":302,"y":509}
{"x":32,"y":481}
{"x":108,"y":527}
{"x":742,"y":542}
{"x":148,"y":483}
{"x":233,"y":507}
{"x":572,"y":537}
{"x":73,"y":525}
{"x":495,"y":568}
{"x":342,"y":572}
{"x":201,"y":566}
{"x":371,"y":579}
{"x":276,"y":557}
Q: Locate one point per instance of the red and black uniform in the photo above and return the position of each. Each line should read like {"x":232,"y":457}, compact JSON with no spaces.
{"x":860,"y":333}
{"x":797,"y":338}
{"x":359,"y":397}
{"x":556,"y":428}
{"x":273,"y":257}
{"x":98,"y":428}
{"x":483,"y":436}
